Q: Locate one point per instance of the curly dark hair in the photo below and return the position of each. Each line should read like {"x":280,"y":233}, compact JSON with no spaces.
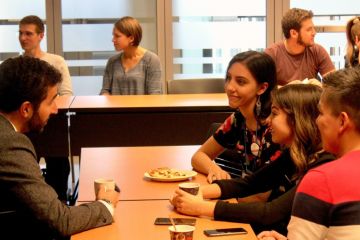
{"x":23,"y":79}
{"x":293,"y":19}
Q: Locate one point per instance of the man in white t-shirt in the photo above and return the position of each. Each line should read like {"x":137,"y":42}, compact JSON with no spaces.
{"x":31,"y":33}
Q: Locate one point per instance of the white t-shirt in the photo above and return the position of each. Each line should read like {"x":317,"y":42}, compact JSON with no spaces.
{"x":59,"y":63}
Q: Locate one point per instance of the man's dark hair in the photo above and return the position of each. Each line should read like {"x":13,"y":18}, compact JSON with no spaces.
{"x":293,"y":19}
{"x":24,"y":79}
{"x":32,"y":19}
{"x":342,"y":93}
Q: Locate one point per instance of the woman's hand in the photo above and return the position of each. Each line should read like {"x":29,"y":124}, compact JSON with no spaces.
{"x":271,"y":235}
{"x":216,"y":173}
{"x":188,"y":204}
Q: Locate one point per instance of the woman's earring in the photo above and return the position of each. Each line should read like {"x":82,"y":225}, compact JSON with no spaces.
{"x":258,"y":107}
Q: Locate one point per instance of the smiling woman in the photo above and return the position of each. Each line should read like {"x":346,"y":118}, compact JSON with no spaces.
{"x":250,"y":78}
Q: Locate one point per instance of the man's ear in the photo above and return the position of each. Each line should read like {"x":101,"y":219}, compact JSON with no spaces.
{"x":294,"y":33}
{"x":41,"y":35}
{"x":26,"y":110}
{"x":344,"y":122}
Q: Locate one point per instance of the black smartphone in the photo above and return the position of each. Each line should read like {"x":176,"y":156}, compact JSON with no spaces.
{"x":177,"y":221}
{"x":224,"y":231}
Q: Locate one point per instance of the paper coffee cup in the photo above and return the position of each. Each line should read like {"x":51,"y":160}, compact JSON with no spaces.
{"x":182,"y":232}
{"x":109,"y":184}
{"x":192,"y":188}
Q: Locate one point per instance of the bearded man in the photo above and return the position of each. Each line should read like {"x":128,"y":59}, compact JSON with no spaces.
{"x":298,"y":57}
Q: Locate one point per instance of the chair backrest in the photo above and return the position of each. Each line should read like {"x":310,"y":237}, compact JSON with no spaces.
{"x":188,"y":86}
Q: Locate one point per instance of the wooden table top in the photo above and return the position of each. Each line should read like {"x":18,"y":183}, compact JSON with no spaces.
{"x":135,"y":220}
{"x":127,"y":165}
{"x":64,"y":102}
{"x":164,"y":102}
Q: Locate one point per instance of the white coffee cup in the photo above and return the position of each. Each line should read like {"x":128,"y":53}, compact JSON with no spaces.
{"x":182,"y":232}
{"x":108,"y":184}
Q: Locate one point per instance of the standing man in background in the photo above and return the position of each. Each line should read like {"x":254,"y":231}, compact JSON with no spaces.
{"x":31,"y":33}
{"x":298,"y":56}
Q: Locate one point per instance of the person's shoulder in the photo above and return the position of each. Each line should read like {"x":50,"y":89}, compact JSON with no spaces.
{"x":115,"y":57}
{"x":53,"y":56}
{"x":150,"y":56}
{"x":55,"y":60}
{"x":279,"y":44}
{"x":6,"y":129}
{"x":317,"y":48}
{"x":10,"y":137}
{"x":151,"y":60}
{"x":274,"y":48}
{"x":326,"y":165}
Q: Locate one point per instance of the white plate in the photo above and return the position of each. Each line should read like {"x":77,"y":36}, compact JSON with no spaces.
{"x":188,"y":174}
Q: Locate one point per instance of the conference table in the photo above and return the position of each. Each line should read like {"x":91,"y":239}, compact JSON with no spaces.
{"x":142,"y":200}
{"x":127,"y":165}
{"x":144,"y":120}
{"x":131,"y":120}
{"x":134,"y":220}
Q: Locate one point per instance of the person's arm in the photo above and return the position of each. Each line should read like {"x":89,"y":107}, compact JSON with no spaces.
{"x":310,"y":222}
{"x":153,"y":75}
{"x":203,"y":160}
{"x":269,"y":177}
{"x":107,"y":79}
{"x":271,"y":235}
{"x":66,"y":86}
{"x":25,"y":185}
{"x":264,"y":213}
{"x":188,"y":204}
{"x":211,"y":191}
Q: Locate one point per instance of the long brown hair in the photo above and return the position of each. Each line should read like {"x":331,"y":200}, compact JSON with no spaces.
{"x":300,"y":103}
{"x":352,"y":30}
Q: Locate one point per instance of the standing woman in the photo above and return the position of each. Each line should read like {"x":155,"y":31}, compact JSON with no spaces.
{"x":353,"y":42}
{"x":135,"y":70}
{"x":250,"y":78}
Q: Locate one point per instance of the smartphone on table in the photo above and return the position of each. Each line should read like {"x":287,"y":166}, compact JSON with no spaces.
{"x":224,"y":232}
{"x":177,"y":221}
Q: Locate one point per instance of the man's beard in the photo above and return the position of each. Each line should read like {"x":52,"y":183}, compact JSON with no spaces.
{"x":35,"y":125}
{"x":301,"y":42}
